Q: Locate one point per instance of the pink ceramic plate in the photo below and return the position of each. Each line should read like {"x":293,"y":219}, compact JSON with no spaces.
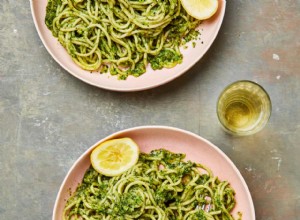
{"x":151,"y":78}
{"x":148,"y":138}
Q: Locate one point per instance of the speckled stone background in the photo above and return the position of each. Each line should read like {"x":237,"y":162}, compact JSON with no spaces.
{"x":48,"y":117}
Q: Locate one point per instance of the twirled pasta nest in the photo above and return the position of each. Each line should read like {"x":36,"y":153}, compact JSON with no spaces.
{"x":121,"y":36}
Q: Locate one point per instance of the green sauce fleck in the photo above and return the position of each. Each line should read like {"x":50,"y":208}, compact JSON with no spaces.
{"x":166,"y":58}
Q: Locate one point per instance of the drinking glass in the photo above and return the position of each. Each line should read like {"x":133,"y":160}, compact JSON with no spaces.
{"x":244,"y":108}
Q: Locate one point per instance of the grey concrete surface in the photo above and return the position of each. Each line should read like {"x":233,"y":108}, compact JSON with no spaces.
{"x":48,"y":118}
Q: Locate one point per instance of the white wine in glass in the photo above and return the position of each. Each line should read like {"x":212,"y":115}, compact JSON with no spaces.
{"x":244,"y":108}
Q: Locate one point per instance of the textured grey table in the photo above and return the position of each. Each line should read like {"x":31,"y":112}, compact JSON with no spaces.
{"x":48,"y":117}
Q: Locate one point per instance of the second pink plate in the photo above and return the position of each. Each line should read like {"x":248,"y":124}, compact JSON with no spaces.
{"x":176,"y":140}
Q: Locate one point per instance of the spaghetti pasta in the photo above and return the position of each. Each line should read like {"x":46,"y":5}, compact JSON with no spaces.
{"x":160,"y":186}
{"x":121,"y":36}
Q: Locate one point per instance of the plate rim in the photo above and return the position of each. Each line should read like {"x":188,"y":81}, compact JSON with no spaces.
{"x":170,"y":128}
{"x":136,"y":87}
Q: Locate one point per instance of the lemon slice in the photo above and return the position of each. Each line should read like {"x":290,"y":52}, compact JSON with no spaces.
{"x":113,"y":157}
{"x":200,"y":9}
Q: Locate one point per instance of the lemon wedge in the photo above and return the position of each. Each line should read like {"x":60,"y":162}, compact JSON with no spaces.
{"x":114,"y":157}
{"x":200,"y":9}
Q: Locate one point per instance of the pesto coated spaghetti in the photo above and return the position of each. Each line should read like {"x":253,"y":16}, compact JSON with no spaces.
{"x":160,"y":186}
{"x":121,"y":36}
